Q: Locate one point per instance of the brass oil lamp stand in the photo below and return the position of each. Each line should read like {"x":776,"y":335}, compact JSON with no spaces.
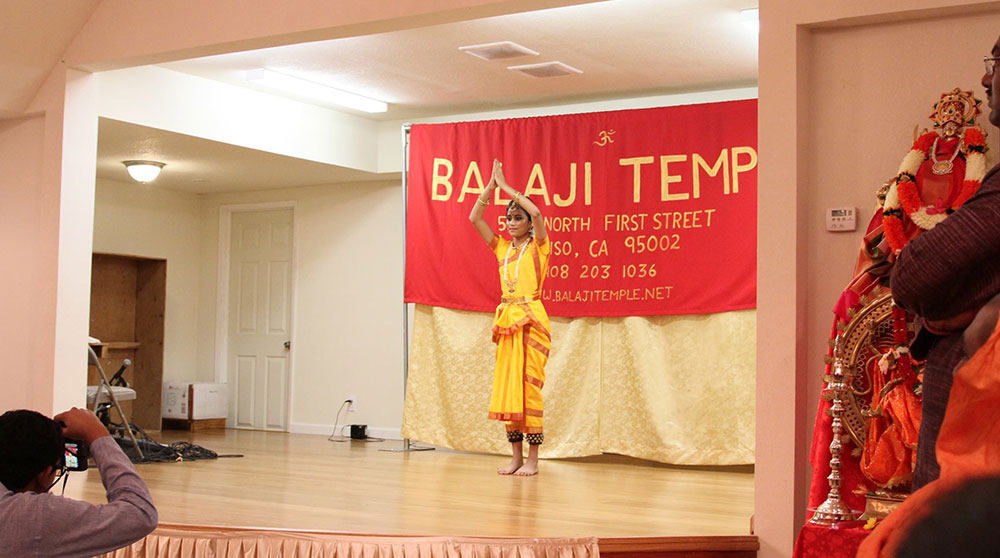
{"x":834,"y":510}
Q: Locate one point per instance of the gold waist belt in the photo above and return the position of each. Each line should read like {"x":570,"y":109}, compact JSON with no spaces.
{"x":516,"y":299}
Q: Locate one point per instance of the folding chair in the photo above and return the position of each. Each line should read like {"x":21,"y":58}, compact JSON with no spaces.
{"x":104,"y":392}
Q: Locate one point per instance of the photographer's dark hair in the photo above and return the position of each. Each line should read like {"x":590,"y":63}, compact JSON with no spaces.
{"x":29,"y":442}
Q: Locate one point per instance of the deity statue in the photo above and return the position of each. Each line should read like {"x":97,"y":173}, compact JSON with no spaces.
{"x":943,"y":168}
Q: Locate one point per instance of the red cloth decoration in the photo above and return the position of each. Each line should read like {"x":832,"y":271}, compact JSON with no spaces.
{"x":816,"y":541}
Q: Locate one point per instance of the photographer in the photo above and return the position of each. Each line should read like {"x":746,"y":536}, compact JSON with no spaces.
{"x":34,"y":522}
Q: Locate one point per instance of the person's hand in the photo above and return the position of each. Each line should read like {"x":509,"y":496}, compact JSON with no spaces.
{"x":982,"y":327}
{"x":947,"y":326}
{"x":498,"y":173}
{"x":81,"y":424}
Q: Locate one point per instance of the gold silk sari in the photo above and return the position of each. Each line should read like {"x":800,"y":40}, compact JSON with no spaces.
{"x":522,"y":334}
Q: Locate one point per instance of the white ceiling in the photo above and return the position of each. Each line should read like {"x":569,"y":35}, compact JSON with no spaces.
{"x":203,"y":166}
{"x":626,"y":48}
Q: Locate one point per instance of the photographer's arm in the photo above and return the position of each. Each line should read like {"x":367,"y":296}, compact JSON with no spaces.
{"x":81,"y":424}
{"x":84,"y":528}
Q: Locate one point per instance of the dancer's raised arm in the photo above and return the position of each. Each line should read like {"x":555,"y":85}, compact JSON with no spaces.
{"x":537,"y":222}
{"x":482,"y":202}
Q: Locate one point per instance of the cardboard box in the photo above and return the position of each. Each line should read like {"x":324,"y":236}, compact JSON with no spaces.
{"x":175,"y":400}
{"x":195,"y":401}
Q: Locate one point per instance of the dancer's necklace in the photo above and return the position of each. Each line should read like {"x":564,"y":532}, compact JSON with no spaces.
{"x":517,"y":267}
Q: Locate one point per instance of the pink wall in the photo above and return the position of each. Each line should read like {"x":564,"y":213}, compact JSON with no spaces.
{"x":27,"y":285}
{"x":781,"y":341}
{"x":841,"y":87}
{"x":55,"y":190}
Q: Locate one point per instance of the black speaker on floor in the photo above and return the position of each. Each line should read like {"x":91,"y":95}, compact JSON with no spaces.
{"x":359,"y":431}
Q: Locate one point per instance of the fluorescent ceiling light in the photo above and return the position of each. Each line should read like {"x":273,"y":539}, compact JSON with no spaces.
{"x":492,"y":51}
{"x":143,"y":171}
{"x":314,"y":91}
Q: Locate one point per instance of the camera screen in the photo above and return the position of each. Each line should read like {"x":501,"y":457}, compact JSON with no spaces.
{"x":72,"y":462}
{"x":76,"y":455}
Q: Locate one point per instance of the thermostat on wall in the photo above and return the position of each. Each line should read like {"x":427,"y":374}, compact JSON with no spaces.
{"x":841,"y":219}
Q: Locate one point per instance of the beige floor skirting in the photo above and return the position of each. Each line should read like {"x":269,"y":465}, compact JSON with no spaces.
{"x":178,"y":541}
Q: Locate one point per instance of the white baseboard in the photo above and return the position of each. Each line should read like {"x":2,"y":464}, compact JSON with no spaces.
{"x":327,"y":429}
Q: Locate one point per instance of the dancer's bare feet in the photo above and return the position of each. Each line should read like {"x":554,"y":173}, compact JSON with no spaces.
{"x":529,"y":468}
{"x":516,"y":460}
{"x":515,"y":464}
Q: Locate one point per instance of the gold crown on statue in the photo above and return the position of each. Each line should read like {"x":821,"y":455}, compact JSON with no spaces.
{"x":956,"y":110}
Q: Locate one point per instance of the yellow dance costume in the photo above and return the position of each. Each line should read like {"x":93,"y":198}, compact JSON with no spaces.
{"x":522,"y":334}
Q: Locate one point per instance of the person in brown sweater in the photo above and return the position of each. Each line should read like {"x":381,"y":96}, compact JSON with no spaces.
{"x":945,"y":276}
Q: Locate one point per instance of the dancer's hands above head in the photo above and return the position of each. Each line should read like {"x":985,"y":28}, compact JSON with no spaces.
{"x":483,"y":201}
{"x":534,"y":213}
{"x":497,"y":175}
{"x":492,"y":184}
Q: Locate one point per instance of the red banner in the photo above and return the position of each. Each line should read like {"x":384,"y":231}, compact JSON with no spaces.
{"x":650,"y":212}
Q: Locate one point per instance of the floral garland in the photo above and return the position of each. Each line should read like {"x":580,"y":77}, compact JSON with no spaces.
{"x":903,"y":197}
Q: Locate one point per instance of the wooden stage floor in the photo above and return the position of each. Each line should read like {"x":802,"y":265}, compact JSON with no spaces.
{"x":304,"y":482}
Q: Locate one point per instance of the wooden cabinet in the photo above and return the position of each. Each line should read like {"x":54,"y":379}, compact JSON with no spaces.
{"x":127,"y":301}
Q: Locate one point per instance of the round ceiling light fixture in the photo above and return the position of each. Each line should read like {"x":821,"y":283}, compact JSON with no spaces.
{"x":143,"y":171}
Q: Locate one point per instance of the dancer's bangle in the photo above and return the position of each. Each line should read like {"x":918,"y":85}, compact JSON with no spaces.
{"x":480,"y":200}
{"x":517,"y":197}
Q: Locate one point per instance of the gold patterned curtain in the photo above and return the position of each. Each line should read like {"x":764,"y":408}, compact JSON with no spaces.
{"x":676,"y":389}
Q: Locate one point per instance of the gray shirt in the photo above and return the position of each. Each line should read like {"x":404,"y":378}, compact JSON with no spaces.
{"x":51,"y":526}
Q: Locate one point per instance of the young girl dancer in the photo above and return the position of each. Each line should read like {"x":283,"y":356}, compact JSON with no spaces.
{"x":520,"y":327}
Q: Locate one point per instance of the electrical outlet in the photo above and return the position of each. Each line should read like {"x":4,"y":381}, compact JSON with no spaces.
{"x":353,"y":405}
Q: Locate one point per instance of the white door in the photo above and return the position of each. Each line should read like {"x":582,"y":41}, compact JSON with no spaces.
{"x":260,"y":296}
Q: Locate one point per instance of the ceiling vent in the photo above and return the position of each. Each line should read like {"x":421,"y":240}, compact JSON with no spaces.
{"x":546,"y":69}
{"x":493,"y":51}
